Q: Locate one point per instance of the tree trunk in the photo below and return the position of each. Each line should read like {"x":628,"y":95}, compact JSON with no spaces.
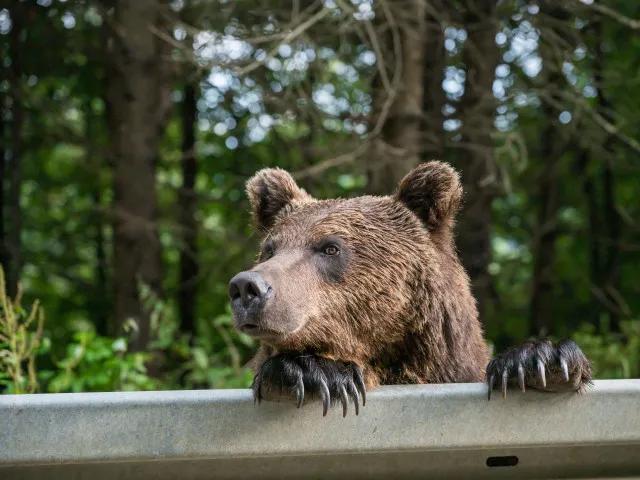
{"x":94,"y":164}
{"x":101,"y":278}
{"x":398,"y":149}
{"x":13,"y":235}
{"x":544,"y":247}
{"x":610,"y":280}
{"x":138,"y":93}
{"x":434,"y":98}
{"x":550,"y":146}
{"x":594,"y":221}
{"x":4,"y":257}
{"x":189,"y":226}
{"x":477,"y":109}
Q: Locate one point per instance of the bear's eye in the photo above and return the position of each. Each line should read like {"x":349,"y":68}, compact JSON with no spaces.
{"x":330,"y":249}
{"x":268,"y":251}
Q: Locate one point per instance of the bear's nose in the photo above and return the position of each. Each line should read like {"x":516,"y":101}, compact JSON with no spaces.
{"x":248,"y":291}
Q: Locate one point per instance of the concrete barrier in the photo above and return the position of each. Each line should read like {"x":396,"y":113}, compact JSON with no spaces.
{"x":427,"y":431}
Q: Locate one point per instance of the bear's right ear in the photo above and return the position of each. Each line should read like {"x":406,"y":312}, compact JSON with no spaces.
{"x":433,"y":192}
{"x":269,"y":191}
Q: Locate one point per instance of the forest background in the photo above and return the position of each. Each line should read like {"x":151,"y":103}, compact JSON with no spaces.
{"x":128,"y":129}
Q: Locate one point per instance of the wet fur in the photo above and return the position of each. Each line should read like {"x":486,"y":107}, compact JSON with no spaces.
{"x":400,"y":304}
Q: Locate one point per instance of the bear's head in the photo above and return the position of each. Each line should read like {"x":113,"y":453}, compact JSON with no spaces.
{"x":345,"y":277}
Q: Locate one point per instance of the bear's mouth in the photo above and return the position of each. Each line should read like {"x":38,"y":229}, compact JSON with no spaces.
{"x":257,"y":331}
{"x":270,"y":326}
{"x":252,"y":329}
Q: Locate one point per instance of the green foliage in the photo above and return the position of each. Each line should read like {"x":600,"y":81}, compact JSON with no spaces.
{"x":197,"y":362}
{"x":20,"y":341}
{"x":99,"y":364}
{"x":222,"y":368}
{"x":94,"y":363}
{"x":613,"y":355}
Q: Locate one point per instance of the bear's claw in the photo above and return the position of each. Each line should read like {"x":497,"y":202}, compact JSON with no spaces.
{"x":543,"y":365}
{"x":300,"y":374}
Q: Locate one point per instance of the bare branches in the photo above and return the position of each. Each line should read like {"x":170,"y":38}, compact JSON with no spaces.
{"x":613,"y":14}
{"x":392,"y":90}
{"x":325,"y":165}
{"x":287,"y":38}
{"x":580,"y":101}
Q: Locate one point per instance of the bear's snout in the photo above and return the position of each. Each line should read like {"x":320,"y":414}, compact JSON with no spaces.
{"x":248,"y":291}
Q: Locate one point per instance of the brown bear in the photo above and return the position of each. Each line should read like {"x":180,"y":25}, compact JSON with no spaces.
{"x":349,"y":294}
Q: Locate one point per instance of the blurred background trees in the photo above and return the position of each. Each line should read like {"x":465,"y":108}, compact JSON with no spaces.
{"x":129,"y":127}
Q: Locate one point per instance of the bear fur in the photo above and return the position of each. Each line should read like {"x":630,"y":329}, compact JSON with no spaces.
{"x":349,"y":294}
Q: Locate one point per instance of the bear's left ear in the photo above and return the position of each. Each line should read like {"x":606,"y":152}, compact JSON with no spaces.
{"x":269,"y":191}
{"x":433,"y":192}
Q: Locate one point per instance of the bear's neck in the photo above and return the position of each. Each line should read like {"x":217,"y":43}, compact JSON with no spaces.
{"x":444,"y":343}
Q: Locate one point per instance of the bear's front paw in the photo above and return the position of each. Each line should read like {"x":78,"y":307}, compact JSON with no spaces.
{"x":543,"y":365}
{"x":300,"y":375}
